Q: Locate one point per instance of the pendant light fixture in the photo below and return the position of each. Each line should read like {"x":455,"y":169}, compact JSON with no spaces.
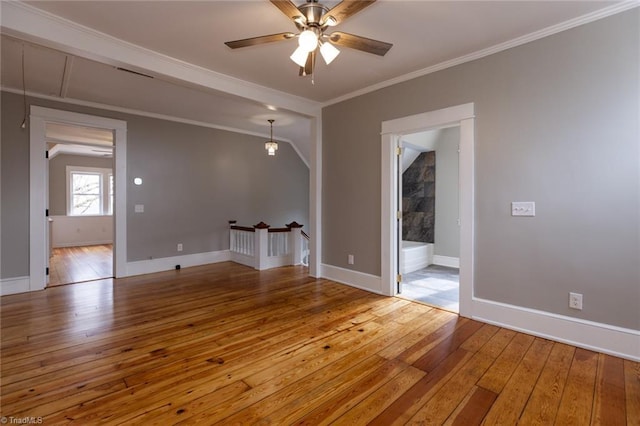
{"x":271,"y":146}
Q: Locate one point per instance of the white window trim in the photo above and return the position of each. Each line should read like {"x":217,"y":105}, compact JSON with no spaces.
{"x":105,"y":206}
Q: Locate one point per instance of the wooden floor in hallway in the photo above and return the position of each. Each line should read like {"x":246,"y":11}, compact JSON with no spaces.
{"x":77,"y":264}
{"x":226,"y":344}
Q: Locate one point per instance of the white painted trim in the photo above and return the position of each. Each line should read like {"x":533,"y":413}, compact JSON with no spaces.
{"x":466,"y":201}
{"x":537,"y":35}
{"x":84,"y":243}
{"x":389,"y":196}
{"x":14,"y":285}
{"x":616,"y":341}
{"x":315,"y":199}
{"x":351,"y":278}
{"x":32,"y":24}
{"x":461,"y":115}
{"x":441,"y":118}
{"x":120,"y":207}
{"x":141,"y":113}
{"x":38,"y":250}
{"x":37,"y":187}
{"x":612,"y":340}
{"x":168,"y":263}
{"x":451,"y":262}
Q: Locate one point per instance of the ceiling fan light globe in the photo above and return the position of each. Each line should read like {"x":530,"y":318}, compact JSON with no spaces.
{"x":308,"y":40}
{"x":328,"y":52}
{"x":299,"y":56}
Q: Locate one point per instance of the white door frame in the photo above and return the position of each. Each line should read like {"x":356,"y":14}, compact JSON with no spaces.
{"x":38,"y":249}
{"x":392,"y":130}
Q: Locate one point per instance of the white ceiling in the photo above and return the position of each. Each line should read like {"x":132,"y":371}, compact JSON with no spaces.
{"x":64,"y":133}
{"x":78,"y":140}
{"x":199,"y":79}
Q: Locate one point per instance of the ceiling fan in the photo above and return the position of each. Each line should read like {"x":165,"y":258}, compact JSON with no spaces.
{"x":312,"y":20}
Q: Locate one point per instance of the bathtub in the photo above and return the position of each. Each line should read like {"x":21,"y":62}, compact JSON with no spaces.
{"x":415,"y":255}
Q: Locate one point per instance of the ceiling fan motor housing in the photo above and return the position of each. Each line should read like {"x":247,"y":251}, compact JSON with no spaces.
{"x":313,"y":13}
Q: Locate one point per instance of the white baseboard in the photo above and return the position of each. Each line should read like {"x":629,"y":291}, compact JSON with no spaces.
{"x":608,"y":339}
{"x":168,"y":263}
{"x":612,"y":340}
{"x":83,"y":243}
{"x":451,"y":262}
{"x":14,"y":285}
{"x":356,"y":279}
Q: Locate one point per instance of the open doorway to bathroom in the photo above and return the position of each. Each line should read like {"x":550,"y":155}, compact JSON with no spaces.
{"x":428,"y":189}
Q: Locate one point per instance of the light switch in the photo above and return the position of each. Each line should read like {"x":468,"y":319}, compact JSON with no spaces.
{"x":139,"y":208}
{"x":523,"y":208}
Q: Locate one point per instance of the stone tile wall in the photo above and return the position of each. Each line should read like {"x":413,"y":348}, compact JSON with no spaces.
{"x":418,"y":199}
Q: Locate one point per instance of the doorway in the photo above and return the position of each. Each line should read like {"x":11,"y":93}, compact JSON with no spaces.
{"x":392,"y":132}
{"x":80,"y":200}
{"x":39,"y":237}
{"x":429,"y":234}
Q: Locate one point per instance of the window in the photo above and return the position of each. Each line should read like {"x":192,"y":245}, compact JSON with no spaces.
{"x":90,"y":191}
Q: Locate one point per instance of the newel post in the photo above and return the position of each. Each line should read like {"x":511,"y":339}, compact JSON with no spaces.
{"x":295,"y":242}
{"x":261,"y":236}
{"x":232,"y":239}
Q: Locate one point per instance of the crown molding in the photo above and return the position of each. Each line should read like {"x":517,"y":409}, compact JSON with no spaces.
{"x":537,"y":35}
{"x":32,"y":24}
{"x":152,"y":115}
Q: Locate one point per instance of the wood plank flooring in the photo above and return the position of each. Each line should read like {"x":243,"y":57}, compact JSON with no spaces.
{"x":225,"y":344}
{"x":77,"y":264}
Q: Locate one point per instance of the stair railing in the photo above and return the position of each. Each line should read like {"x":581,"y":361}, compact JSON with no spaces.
{"x":262,"y":247}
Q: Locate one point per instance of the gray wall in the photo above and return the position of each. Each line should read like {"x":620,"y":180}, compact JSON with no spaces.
{"x":14,"y":179}
{"x":556,"y":123}
{"x":447,"y":231}
{"x":195,"y":180}
{"x":58,"y":177}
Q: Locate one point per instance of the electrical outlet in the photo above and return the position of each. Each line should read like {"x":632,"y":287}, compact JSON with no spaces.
{"x":575,"y":301}
{"x":179,"y":246}
{"x":350,"y":259}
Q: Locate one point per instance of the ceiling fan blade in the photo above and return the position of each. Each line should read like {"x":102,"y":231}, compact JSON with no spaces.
{"x":288,"y":8}
{"x":345,"y":9}
{"x":368,"y":45}
{"x":259,"y":40}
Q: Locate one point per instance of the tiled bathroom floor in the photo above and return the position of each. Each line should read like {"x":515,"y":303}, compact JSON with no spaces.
{"x":434,"y":285}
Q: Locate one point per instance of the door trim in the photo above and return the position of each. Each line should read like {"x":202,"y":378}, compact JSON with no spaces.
{"x":392,"y":130}
{"x":39,"y":117}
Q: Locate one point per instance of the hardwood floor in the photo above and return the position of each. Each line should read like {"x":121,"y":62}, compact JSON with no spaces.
{"x":77,"y":264}
{"x":227,"y":344}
